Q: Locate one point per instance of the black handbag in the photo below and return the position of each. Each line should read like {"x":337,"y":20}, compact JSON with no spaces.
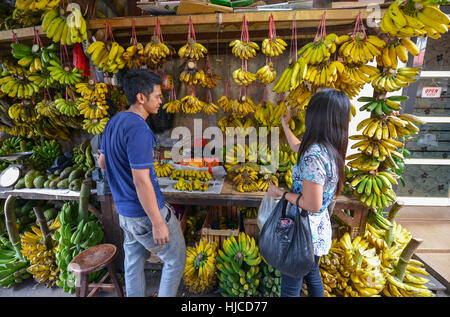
{"x":286,"y":243}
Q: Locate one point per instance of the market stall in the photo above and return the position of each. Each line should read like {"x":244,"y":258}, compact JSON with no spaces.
{"x":238,"y":68}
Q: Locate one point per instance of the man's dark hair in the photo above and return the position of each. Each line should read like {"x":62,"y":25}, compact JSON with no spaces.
{"x":139,"y":81}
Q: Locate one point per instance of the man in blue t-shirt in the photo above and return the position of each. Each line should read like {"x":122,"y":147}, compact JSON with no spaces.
{"x":147,"y":221}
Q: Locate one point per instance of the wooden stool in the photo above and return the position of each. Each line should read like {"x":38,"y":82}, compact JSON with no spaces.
{"x":93,"y":260}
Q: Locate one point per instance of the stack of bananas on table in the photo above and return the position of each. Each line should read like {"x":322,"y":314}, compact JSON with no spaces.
{"x":267,"y":73}
{"x":13,"y":266}
{"x":245,"y":177}
{"x":74,"y":236}
{"x":414,"y":18}
{"x":393,"y":80}
{"x":244,"y":50}
{"x":360,"y":49}
{"x":163,"y":169}
{"x":238,"y":266}
{"x":67,"y":29}
{"x":270,"y":285}
{"x":273,"y":46}
{"x":173,"y":106}
{"x":190,"y":104}
{"x":40,"y":251}
{"x":243,"y":77}
{"x":192,"y":185}
{"x":157,"y":53}
{"x":37,"y":5}
{"x":203,"y":176}
{"x":292,"y":76}
{"x":266,"y":180}
{"x":200,"y":273}
{"x":135,"y":56}
{"x":108,"y":57}
{"x":192,"y":50}
{"x":64,"y":75}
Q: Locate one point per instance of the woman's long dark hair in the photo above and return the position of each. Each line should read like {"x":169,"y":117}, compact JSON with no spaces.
{"x":326,"y":123}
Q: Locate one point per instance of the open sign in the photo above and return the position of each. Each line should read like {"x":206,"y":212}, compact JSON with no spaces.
{"x":431,"y":92}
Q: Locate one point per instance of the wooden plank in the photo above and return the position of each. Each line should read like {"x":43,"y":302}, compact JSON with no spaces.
{"x":195,"y":6}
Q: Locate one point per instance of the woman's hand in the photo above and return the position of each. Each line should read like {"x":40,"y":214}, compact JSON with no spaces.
{"x":274,"y":191}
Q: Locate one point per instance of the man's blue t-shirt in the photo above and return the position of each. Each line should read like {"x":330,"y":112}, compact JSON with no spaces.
{"x":128,"y":142}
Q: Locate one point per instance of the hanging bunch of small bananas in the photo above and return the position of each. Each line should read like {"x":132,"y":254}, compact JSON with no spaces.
{"x":319,"y":50}
{"x":210,"y":79}
{"x":393,"y":80}
{"x":64,"y":75}
{"x":267,"y":73}
{"x":173,"y":106}
{"x":380,"y":148}
{"x":23,"y":112}
{"x":299,"y":97}
{"x":37,"y":5}
{"x":163,"y":169}
{"x":192,"y":50}
{"x":192,"y":76}
{"x":243,"y":106}
{"x":193,"y":185}
{"x":95,"y":126}
{"x":324,"y":75}
{"x":200,"y":273}
{"x":361,"y":74}
{"x":360,"y":49}
{"x":244,"y":50}
{"x":210,"y":107}
{"x":273,"y":46}
{"x":375,"y":189}
{"x":15,"y":87}
{"x":66,"y":106}
{"x":238,"y":266}
{"x":157,"y":53}
{"x":91,"y":90}
{"x":42,"y":80}
{"x":414,"y":18}
{"x":266,"y":114}
{"x":135,"y":56}
{"x":92,"y":109}
{"x":292,"y":77}
{"x":203,"y":176}
{"x":396,"y":49}
{"x":46,"y":108}
{"x":35,"y":58}
{"x":243,"y":77}
{"x":40,"y":251}
{"x":226,"y":103}
{"x":190,"y":104}
{"x":235,"y":125}
{"x":67,"y":29}
{"x":108,"y":57}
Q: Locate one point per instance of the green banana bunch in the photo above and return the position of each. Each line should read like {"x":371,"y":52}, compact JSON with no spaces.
{"x":44,"y":154}
{"x":238,"y":266}
{"x":13,"y":269}
{"x":375,"y":189}
{"x":270,"y":285}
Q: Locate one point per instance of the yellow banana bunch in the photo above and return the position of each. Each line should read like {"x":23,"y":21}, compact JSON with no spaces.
{"x":357,"y":73}
{"x":46,"y":108}
{"x":291,"y":77}
{"x":225,"y":103}
{"x":203,"y":176}
{"x":267,"y":73}
{"x":163,"y":169}
{"x":37,"y":5}
{"x":266,"y":180}
{"x":273,"y":46}
{"x":135,"y":56}
{"x":91,"y":90}
{"x":375,"y":190}
{"x":92,"y":109}
{"x":192,"y":50}
{"x":210,"y":108}
{"x":243,"y":106}
{"x":323,"y":75}
{"x":191,"y":104}
{"x":16,"y":88}
{"x":378,"y":148}
{"x":95,"y":126}
{"x":226,"y":121}
{"x":269,"y":115}
{"x":173,"y":106}
{"x":393,"y":80}
{"x":363,"y":162}
{"x":360,"y":49}
{"x":242,"y":77}
{"x":414,"y":19}
{"x":299,"y":97}
{"x":246,"y":179}
{"x":41,"y":255}
{"x":65,"y":29}
{"x":199,"y":274}
{"x":210,"y":80}
{"x":244,"y":50}
{"x":320,"y":50}
{"x":288,"y":178}
{"x":411,"y":286}
{"x":193,"y":185}
{"x":192,"y":76}
{"x":156,"y":52}
{"x":108,"y":57}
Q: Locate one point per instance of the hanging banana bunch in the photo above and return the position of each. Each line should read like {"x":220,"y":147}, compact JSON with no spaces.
{"x":273,"y":46}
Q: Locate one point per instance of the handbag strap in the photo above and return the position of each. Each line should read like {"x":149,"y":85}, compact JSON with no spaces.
{"x":283,"y":198}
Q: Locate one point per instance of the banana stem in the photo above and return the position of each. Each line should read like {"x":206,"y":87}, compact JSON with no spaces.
{"x":406,"y":255}
{"x":11,"y":225}
{"x":394,"y":210}
{"x":85,"y":192}
{"x":44,"y":227}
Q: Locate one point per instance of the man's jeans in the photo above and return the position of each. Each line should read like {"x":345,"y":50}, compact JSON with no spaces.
{"x":291,"y":286}
{"x":138,"y":240}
